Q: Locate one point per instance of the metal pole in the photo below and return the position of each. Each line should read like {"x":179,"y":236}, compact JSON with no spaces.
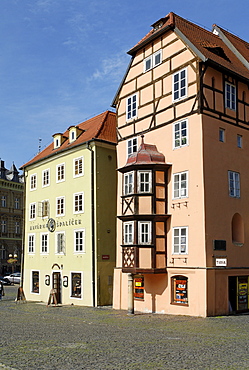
{"x":130,"y":295}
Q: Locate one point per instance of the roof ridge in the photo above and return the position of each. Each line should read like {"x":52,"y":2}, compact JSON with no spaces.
{"x":232,"y":34}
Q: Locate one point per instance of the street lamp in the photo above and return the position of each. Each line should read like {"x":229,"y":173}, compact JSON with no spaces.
{"x":12,"y":260}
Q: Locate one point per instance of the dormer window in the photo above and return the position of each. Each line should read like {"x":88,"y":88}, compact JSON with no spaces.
{"x":74,"y":133}
{"x":58,"y":140}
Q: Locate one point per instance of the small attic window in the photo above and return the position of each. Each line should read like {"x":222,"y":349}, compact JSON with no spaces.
{"x":218,"y":51}
{"x":158,"y":25}
{"x":72,"y":134}
{"x":57,"y":141}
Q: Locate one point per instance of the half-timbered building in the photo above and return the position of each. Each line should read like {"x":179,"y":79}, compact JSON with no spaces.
{"x":183,"y":152}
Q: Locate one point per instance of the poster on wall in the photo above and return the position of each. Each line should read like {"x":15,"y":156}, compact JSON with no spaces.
{"x":180,"y":290}
{"x":139,"y":288}
{"x":242,"y":293}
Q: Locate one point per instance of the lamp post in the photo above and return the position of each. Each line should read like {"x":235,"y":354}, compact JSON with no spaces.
{"x":12,"y":260}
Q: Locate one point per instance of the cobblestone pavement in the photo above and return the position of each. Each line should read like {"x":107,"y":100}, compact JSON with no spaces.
{"x":34,"y":336}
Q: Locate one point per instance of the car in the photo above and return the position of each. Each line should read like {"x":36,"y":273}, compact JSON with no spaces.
{"x":5,"y":281}
{"x":15,"y":277}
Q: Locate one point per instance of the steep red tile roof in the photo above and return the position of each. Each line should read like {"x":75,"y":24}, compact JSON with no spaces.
{"x":101,"y":127}
{"x":208,"y":45}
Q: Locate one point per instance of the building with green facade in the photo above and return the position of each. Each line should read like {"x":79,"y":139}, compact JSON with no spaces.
{"x":70,"y":190}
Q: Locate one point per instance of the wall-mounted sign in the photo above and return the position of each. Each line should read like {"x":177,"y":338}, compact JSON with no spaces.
{"x":105,"y":256}
{"x":65,"y":281}
{"x":220,"y":262}
{"x":51,"y":225}
{"x":139,"y":287}
{"x":47,"y":279}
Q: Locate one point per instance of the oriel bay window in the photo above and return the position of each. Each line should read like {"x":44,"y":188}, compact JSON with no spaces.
{"x":128,"y":183}
{"x":128,"y":232}
{"x":144,"y":232}
{"x":144,"y":182}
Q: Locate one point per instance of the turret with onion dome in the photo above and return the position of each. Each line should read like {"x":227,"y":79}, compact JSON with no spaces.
{"x":144,"y":211}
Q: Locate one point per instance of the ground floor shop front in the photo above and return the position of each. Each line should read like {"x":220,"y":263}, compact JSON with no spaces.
{"x":61,"y":285}
{"x":196,"y":292}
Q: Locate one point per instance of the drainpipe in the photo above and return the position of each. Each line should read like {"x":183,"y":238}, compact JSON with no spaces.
{"x":93,"y":223}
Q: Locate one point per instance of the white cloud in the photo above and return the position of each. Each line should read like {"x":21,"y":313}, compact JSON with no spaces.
{"x":111,"y":68}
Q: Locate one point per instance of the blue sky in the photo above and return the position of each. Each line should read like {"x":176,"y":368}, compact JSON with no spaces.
{"x":61,"y":61}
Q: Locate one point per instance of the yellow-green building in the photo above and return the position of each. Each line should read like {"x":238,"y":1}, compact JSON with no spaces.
{"x":69,"y":243}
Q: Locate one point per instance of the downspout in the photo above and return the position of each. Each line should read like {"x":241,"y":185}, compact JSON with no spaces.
{"x":93,"y":223}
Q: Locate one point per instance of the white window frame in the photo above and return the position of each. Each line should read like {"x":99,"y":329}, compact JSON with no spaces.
{"x":80,"y":194}
{"x":230,"y":96}
{"x":32,"y":211}
{"x":152,"y":59}
{"x":131,"y":113}
{"x":33,"y":182}
{"x":128,"y":186}
{"x":180,"y":243}
{"x":75,"y":160}
{"x":149,"y":182}
{"x":58,"y":172}
{"x":59,"y":211}
{"x":45,"y":178}
{"x":63,"y":247}
{"x":158,"y":52}
{"x":181,"y":137}
{"x":181,"y":189}
{"x":132,"y":146}
{"x":234,"y":184}
{"x":31,"y":244}
{"x":82,"y":250}
{"x":128,"y":233}
{"x":44,"y":243}
{"x":143,"y":233}
{"x":71,"y":285}
{"x":178,"y":89}
{"x":151,"y":63}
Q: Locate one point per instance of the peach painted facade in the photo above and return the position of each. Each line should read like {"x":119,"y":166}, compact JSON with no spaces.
{"x":184,"y":244}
